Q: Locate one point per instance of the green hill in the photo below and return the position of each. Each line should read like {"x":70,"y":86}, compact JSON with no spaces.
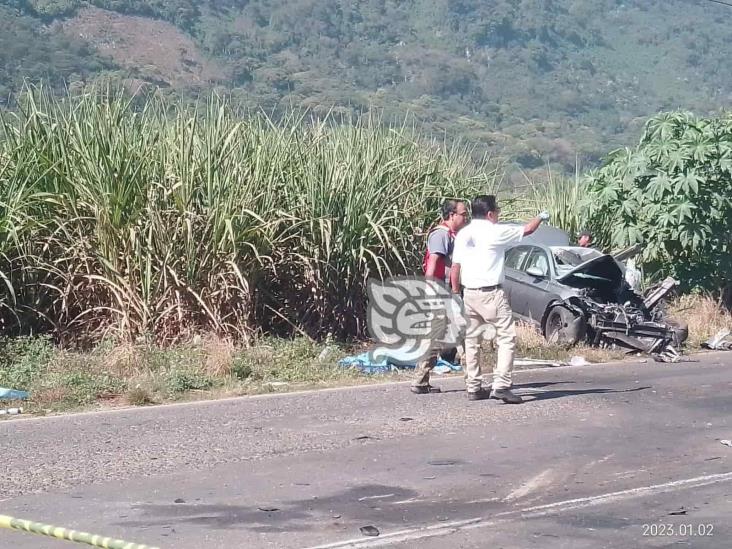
{"x":538,"y":80}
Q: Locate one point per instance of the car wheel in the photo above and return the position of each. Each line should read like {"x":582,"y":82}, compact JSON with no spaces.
{"x":565,"y":327}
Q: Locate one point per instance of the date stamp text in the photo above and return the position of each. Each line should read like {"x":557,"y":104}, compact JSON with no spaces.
{"x":687,"y":530}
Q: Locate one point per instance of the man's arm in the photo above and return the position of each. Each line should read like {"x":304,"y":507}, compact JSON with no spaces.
{"x":457,"y":257}
{"x":532,"y":225}
{"x":431,"y":265}
{"x":455,"y":278}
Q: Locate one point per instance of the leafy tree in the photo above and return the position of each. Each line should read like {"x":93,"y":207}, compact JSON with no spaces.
{"x":673,"y":194}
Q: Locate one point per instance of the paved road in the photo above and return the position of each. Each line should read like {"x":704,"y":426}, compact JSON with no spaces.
{"x":624,"y":455}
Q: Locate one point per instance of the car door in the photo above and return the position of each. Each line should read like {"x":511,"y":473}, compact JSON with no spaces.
{"x":514,"y":260}
{"x":532,"y":290}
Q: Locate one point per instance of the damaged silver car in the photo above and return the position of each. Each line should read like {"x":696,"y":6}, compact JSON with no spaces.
{"x":573,"y":294}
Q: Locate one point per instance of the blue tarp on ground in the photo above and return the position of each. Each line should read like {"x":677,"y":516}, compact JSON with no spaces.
{"x":364,"y":364}
{"x":12,"y":394}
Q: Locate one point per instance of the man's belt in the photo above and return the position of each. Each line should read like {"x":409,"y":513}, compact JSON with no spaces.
{"x":486,"y":288}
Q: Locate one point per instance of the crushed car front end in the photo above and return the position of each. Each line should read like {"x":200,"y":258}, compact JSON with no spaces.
{"x":606,"y":311}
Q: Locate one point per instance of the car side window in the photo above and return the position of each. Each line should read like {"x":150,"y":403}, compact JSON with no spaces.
{"x":538,"y":260}
{"x":515,"y":256}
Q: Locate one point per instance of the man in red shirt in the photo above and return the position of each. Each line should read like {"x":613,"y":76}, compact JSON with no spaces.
{"x":437,"y":263}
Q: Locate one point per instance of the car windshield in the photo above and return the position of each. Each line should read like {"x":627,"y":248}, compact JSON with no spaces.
{"x":567,"y":258}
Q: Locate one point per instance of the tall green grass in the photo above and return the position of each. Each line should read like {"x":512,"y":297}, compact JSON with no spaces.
{"x":135,"y":219}
{"x":560,"y":195}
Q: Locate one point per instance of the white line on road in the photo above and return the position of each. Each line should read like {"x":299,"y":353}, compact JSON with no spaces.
{"x":570,"y":504}
{"x":403,"y":501}
{"x":376,"y":497}
{"x":446,"y":528}
{"x":484,"y":500}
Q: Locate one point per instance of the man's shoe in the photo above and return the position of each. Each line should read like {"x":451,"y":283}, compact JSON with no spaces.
{"x":480,"y":394}
{"x":506,"y":396}
{"x":424,"y":389}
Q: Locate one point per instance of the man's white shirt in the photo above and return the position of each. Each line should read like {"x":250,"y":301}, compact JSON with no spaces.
{"x":480,"y":248}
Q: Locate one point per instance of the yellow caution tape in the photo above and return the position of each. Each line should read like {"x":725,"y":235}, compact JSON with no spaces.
{"x":69,"y":535}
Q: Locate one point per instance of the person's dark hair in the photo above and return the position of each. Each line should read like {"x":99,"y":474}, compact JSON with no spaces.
{"x":449,"y":207}
{"x":585,"y":233}
{"x":483,"y":204}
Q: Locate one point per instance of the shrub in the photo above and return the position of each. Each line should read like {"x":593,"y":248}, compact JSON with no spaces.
{"x":23,"y":360}
{"x":673,"y":194}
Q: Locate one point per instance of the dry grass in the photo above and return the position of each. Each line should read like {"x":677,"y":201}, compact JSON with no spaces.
{"x":220,"y":354}
{"x":139,"y":396}
{"x":124,"y":360}
{"x":50,"y":396}
{"x":705,"y":316}
{"x":532,"y":344}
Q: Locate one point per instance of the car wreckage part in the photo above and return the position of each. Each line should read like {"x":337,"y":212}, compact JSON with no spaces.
{"x":627,"y":253}
{"x":630,"y":326}
{"x":564,"y":325}
{"x":648,"y":337}
{"x":680,"y":331}
{"x":719,"y":342}
{"x":657,"y":294}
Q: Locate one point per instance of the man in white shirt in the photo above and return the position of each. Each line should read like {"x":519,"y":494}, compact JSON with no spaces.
{"x":477,"y":266}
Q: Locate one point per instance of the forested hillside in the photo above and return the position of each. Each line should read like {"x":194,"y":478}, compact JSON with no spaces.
{"x":540,"y":80}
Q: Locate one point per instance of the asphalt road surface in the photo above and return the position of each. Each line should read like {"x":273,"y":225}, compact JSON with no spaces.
{"x":622,"y":455}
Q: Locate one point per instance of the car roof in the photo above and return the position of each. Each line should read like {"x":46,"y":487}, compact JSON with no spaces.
{"x":546,"y":236}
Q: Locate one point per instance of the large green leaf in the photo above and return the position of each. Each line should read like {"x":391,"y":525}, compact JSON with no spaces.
{"x":678,"y":208}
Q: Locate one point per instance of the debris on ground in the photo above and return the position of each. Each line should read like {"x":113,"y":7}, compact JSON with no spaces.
{"x":445,"y":367}
{"x":12,"y":394}
{"x":370,"y":531}
{"x":442,"y":462}
{"x":366,"y":437}
{"x":726,"y":442}
{"x":11,"y":411}
{"x":537,"y":362}
{"x":579,"y":361}
{"x":667,"y":355}
{"x":720,"y":342}
{"x":574,"y":361}
{"x":326,"y":353}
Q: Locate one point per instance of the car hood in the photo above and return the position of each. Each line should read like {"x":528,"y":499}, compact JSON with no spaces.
{"x":602,"y":273}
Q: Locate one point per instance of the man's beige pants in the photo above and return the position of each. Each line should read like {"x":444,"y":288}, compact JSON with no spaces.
{"x":489,"y":316}
{"x":424,"y":368}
